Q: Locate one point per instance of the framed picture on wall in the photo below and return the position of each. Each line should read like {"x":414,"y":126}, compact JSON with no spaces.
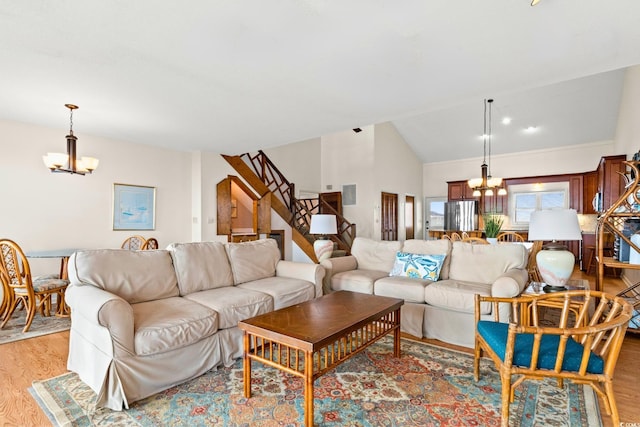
{"x":134,"y":207}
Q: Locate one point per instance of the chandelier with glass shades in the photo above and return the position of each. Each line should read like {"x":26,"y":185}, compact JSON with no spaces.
{"x":486,"y":183}
{"x":68,"y":163}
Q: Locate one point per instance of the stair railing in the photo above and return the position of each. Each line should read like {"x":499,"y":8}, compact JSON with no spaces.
{"x":301,"y":209}
{"x":272,"y":177}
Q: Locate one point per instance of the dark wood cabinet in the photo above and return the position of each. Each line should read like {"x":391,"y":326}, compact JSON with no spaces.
{"x":495,"y":203}
{"x":610,"y":180}
{"x":589,"y":190}
{"x":459,"y":190}
{"x":576,"y":192}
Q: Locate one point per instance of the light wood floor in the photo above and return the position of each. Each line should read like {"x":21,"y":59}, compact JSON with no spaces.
{"x":44,"y":357}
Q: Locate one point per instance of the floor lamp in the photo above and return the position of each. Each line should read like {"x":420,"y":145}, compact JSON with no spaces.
{"x":555,"y":262}
{"x":323,"y":225}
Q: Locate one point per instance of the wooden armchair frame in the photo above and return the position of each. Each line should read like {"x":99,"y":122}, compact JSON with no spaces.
{"x":602,"y":337}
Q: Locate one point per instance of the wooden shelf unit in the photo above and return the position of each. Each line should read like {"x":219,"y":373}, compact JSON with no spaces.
{"x":612,"y":221}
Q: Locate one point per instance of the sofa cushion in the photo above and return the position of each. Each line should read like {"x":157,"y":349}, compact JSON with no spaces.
{"x":170,"y":323}
{"x":375,"y":255}
{"x":201,"y":266}
{"x":406,"y":288}
{"x":233,"y":304}
{"x":485,"y":263}
{"x":457,"y":295}
{"x":135,"y":276}
{"x":431,"y":247}
{"x":357,"y":280}
{"x":285,"y":291}
{"x":417,"y":266}
{"x":253,"y":260}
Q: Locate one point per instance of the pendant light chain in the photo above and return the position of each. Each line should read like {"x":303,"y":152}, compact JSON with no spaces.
{"x":490,"y":101}
{"x":71,"y":121}
{"x":484,"y":136}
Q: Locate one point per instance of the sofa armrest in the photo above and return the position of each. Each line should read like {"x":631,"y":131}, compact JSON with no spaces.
{"x":102,"y":309}
{"x":334,"y":266}
{"x":510,"y":283}
{"x":304,"y":271}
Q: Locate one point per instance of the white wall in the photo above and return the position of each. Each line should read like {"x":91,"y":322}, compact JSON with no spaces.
{"x":348,"y":158}
{"x":299,"y":163}
{"x":627,"y":138}
{"x":398,"y":171}
{"x":561,"y":160}
{"x":42,"y":210}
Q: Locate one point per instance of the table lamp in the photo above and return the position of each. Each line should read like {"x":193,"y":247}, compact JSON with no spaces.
{"x":555,"y":262}
{"x":323,"y":224}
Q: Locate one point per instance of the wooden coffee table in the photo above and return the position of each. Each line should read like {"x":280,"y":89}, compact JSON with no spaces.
{"x":311,"y":338}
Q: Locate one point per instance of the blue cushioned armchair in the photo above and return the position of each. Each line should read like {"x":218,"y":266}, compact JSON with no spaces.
{"x":575,"y":335}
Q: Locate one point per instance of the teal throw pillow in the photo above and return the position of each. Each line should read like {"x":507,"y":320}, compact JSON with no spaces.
{"x":417,"y":266}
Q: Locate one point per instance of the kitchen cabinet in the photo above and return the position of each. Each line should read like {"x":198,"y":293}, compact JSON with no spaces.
{"x":589,"y":190}
{"x":610,"y":180}
{"x":575,"y":192}
{"x":495,"y":203}
{"x":459,"y":190}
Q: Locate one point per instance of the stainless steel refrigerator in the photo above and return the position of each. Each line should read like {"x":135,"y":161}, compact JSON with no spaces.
{"x":461,"y":216}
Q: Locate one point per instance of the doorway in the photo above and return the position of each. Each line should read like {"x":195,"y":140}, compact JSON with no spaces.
{"x":433,"y":214}
{"x":409,"y":217}
{"x":389,"y":216}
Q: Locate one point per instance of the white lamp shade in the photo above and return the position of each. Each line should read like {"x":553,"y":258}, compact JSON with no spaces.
{"x":90,"y":163}
{"x":554,"y":224}
{"x":474,"y":182}
{"x":323,"y":224}
{"x":55,"y":160}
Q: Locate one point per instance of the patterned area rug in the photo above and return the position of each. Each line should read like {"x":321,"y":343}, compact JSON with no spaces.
{"x":427,"y":386}
{"x":41,"y":325}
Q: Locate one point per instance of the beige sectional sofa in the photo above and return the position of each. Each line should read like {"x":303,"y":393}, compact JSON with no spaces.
{"x":441,"y":309}
{"x":144,"y":321}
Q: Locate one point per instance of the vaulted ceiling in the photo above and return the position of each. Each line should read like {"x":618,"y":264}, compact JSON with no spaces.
{"x":235,"y":76}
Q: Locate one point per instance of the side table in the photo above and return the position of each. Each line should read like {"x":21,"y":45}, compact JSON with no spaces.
{"x":538,"y":288}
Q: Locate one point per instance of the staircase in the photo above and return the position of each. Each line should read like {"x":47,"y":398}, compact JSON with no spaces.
{"x":261,"y":174}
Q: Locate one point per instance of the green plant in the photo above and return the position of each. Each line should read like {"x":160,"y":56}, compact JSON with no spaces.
{"x":492,"y":224}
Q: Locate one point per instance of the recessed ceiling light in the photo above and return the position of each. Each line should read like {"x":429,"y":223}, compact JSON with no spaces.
{"x":506,"y":120}
{"x":531,"y":129}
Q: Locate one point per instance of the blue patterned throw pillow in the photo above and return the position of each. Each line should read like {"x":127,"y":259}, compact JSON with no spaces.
{"x":417,"y":266}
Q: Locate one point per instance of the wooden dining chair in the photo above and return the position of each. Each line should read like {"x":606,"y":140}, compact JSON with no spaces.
{"x":150,"y":244}
{"x":455,"y":237}
{"x":577,"y":342}
{"x":475,"y":240}
{"x":20,"y":288}
{"x":510,"y":236}
{"x":133,"y":243}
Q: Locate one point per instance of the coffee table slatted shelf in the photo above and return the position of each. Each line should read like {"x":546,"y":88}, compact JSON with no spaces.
{"x":311,"y":338}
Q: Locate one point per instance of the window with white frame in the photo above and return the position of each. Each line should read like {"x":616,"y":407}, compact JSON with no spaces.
{"x":526,"y":198}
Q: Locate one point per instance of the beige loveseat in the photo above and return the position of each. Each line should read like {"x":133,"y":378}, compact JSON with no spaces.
{"x":442,"y":309}
{"x":144,"y":321}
